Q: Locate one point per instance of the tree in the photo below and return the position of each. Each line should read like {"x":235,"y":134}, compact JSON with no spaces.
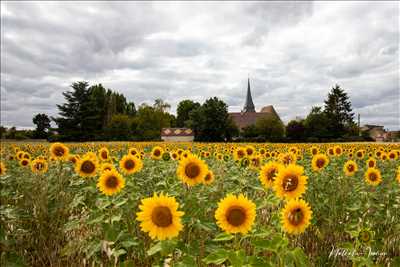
{"x":70,"y":126}
{"x":119,"y":127}
{"x":210,"y":120}
{"x":88,"y":111}
{"x":270,"y":128}
{"x":151,"y":119}
{"x":316,"y":124}
{"x":339,"y":112}
{"x":42,"y":122}
{"x":183,"y":111}
{"x":295,"y":130}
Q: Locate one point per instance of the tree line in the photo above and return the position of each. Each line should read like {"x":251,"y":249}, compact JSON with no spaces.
{"x":94,"y":113}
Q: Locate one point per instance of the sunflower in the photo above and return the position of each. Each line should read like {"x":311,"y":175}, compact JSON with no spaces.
{"x":319,"y":162}
{"x":174,"y":156}
{"x":130,"y":164}
{"x":350,"y":168}
{"x":166,"y":156}
{"x":86,"y":167}
{"x":365,"y":236}
{"x":373,"y":176}
{"x":104,"y":154}
{"x":250,"y":150}
{"x":239,"y":153}
{"x":192,"y":170}
{"x":338,"y":150}
{"x":39,"y":166}
{"x":288,"y":158}
{"x":371,"y":163}
{"x":157,"y":152}
{"x":133,"y":151}
{"x":110,"y":182}
{"x":268,"y":173}
{"x":314,"y":150}
{"x":290,"y":182}
{"x":398,"y":175}
{"x":235,"y":214}
{"x":296,"y":216}
{"x":24,"y":162}
{"x":209,"y":178}
{"x":107,"y":167}
{"x":3,"y":168}
{"x":159,"y":216}
{"x":73,"y":158}
{"x":393,"y":155}
{"x":59,"y":151}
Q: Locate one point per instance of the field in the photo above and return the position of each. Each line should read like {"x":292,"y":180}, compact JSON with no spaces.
{"x":200,"y":204}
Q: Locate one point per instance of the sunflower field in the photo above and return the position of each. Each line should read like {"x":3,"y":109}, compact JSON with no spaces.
{"x":199,"y":204}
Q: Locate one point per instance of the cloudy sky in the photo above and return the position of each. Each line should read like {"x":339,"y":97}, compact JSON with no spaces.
{"x":293,"y":52}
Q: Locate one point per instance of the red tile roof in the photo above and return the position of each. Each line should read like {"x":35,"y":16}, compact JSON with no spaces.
{"x":244,"y":119}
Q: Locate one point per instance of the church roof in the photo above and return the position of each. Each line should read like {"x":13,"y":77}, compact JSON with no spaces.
{"x":249,"y":105}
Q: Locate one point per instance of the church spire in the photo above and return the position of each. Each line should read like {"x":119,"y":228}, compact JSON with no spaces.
{"x":248,"y":106}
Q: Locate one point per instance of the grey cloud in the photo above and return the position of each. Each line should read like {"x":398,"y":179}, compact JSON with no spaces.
{"x":294,"y":52}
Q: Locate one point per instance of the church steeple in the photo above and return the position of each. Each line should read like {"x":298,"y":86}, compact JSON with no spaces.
{"x":248,"y":106}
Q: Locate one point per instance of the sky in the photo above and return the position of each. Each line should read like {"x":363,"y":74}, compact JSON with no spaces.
{"x":293,"y":52}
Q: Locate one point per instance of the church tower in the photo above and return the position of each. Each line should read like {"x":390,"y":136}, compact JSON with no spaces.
{"x":248,"y":105}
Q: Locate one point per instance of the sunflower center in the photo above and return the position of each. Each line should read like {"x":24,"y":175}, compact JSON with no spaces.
{"x":249,"y":152}
{"x":371,"y":164}
{"x":112,"y":182}
{"x":58,"y":151}
{"x":208,"y":177}
{"x":161,"y":216}
{"x":373,"y":176}
{"x":39,"y":166}
{"x":24,"y":162}
{"x":192,"y":170}
{"x":271,"y":174}
{"x":296,"y":216}
{"x":236,"y":216}
{"x":350,"y":168}
{"x":157,"y":152}
{"x":320,"y":163}
{"x":88,"y":166}
{"x":240,"y":154}
{"x":290,"y":183}
{"x":104,"y":154}
{"x":129,"y":164}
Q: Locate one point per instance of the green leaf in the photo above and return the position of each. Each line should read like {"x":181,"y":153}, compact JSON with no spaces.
{"x":154,"y":249}
{"x":129,"y":243}
{"x":118,"y":252}
{"x":116,"y":218}
{"x":271,"y":245}
{"x":223,"y":237}
{"x":300,"y":257}
{"x":237,"y":258}
{"x":187,"y":261}
{"x":217,"y":257}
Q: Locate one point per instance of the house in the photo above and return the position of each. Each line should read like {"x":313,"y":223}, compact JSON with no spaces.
{"x":177,"y":134}
{"x":376,"y":132}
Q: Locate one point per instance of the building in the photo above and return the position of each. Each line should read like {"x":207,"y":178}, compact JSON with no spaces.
{"x":177,"y":134}
{"x":248,"y":115}
{"x":376,"y":132}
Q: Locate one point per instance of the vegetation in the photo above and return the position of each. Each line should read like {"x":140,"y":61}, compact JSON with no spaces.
{"x":199,"y":204}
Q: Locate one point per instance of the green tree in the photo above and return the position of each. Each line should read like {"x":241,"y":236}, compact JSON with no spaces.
{"x":42,"y":122}
{"x":70,"y":126}
{"x":151,"y":119}
{"x":210,"y":120}
{"x":183,"y":112}
{"x":339,"y":112}
{"x":316,"y":124}
{"x":119,"y":127}
{"x":270,"y":128}
{"x":295,"y":130}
